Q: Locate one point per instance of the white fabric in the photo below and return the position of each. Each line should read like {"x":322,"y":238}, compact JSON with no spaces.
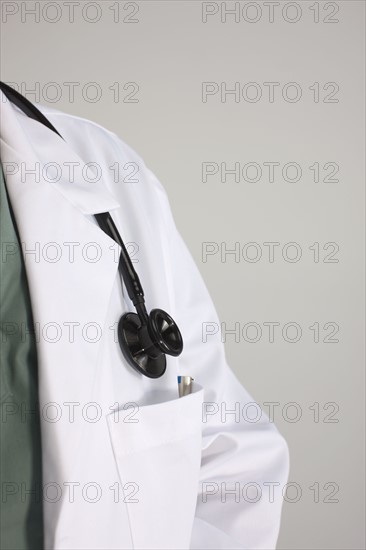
{"x":134,"y":477}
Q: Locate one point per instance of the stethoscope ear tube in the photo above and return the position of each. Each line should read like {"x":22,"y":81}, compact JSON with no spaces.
{"x":26,"y":106}
{"x":130,"y":277}
{"x":144,"y":339}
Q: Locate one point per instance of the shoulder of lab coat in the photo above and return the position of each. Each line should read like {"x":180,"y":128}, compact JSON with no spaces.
{"x":237,"y":455}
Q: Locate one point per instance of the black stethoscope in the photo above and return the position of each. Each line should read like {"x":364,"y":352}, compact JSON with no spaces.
{"x":144,"y":338}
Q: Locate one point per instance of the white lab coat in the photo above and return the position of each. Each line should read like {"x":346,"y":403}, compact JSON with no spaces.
{"x":126,"y":463}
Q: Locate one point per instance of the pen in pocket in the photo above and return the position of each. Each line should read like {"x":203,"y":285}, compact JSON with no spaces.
{"x":184,"y":385}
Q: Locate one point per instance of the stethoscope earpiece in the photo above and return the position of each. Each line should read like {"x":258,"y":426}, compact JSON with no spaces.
{"x":145,"y":342}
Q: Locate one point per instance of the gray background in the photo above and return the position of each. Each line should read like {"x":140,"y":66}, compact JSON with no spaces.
{"x":168,"y":51}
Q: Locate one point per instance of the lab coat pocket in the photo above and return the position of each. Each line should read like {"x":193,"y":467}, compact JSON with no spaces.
{"x":157,"y":449}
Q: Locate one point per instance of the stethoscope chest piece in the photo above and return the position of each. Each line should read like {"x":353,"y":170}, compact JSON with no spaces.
{"x":145,"y":342}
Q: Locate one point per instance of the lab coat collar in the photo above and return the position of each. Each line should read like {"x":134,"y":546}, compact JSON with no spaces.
{"x":53,"y":159}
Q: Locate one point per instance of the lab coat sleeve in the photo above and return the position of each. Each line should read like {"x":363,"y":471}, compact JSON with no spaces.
{"x":245,"y":460}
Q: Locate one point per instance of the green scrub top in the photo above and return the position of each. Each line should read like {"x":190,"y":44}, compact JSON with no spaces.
{"x":21,"y":521}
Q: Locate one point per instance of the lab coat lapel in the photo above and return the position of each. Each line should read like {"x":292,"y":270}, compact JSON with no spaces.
{"x":71,"y":266}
